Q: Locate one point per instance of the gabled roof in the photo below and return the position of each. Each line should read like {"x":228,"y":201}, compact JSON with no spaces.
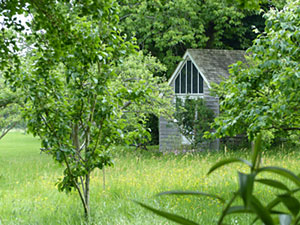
{"x":211,"y":63}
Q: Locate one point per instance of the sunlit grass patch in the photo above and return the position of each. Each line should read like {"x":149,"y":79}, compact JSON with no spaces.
{"x":28,"y":194}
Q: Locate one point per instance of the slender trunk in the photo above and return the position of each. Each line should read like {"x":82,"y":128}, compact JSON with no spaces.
{"x":82,"y":196}
{"x":87,"y":176}
{"x":87,"y":195}
{"x":86,"y":210}
{"x":76,"y":137}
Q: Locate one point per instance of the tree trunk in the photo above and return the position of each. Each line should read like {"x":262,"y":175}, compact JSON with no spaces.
{"x":87,"y":195}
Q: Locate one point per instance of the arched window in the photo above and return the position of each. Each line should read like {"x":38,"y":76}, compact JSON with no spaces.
{"x":189,"y":80}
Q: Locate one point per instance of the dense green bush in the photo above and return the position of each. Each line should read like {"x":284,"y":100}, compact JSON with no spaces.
{"x":193,"y":118}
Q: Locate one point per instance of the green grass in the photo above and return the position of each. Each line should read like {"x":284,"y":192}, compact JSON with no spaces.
{"x":28,"y":194}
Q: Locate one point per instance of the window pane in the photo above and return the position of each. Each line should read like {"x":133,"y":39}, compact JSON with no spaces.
{"x":195,"y":80}
{"x":177,"y":84}
{"x":200,"y":84}
{"x":183,"y":79}
{"x":189,"y":76}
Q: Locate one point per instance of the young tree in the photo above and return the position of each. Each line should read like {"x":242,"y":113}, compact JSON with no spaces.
{"x":75,"y":100}
{"x":264,"y":93}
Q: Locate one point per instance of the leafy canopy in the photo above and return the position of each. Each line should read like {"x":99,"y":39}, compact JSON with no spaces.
{"x":167,"y":28}
{"x":263,"y":94}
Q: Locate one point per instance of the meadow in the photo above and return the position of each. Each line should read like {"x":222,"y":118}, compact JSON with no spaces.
{"x":28,"y":193}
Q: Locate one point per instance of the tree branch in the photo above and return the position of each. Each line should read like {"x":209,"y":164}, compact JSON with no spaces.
{"x":126,"y":105}
{"x":8,"y":129}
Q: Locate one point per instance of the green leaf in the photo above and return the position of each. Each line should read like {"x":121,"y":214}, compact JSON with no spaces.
{"x":282,"y":172}
{"x":291,"y":203}
{"x":246,"y":187}
{"x":276,"y":212}
{"x":285,"y":219}
{"x":261,"y":211}
{"x":169,"y":216}
{"x":228,"y":206}
{"x":190,"y":193}
{"x":275,"y":202}
{"x":297,"y":221}
{"x":228,"y":161}
{"x":273,"y":183}
{"x":238,"y":209}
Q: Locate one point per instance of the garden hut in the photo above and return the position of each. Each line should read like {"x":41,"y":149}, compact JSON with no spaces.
{"x":193,"y":77}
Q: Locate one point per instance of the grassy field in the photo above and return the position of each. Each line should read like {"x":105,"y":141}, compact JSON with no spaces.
{"x":28,"y":194}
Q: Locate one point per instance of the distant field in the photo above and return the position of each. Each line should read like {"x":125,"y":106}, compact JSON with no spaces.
{"x":28,"y":194}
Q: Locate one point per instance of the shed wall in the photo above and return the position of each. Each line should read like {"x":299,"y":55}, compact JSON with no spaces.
{"x":169,"y":135}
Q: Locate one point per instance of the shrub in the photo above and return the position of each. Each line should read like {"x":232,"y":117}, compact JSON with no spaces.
{"x":193,"y":118}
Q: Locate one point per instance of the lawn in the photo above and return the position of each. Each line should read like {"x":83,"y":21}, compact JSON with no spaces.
{"x":28,"y":194}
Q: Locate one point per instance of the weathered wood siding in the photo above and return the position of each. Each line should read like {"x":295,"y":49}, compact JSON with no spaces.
{"x":169,"y":136}
{"x":212,"y":103}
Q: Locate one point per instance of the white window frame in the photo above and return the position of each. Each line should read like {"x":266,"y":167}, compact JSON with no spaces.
{"x":179,"y":78}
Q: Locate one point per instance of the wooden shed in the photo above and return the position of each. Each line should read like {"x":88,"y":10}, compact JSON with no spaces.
{"x":193,"y":77}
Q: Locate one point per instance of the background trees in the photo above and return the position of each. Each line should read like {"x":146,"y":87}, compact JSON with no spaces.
{"x":9,"y":109}
{"x":168,"y":28}
{"x":264,"y":93}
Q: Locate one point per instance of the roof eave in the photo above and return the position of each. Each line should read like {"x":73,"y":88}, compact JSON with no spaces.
{"x":178,"y":68}
{"x":185,"y":56}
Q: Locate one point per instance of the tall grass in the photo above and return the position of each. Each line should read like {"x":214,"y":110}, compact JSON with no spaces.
{"x":28,"y":194}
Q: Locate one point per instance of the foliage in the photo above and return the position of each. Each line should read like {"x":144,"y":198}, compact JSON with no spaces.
{"x":9,"y":38}
{"x":269,"y":214}
{"x":77,"y":89}
{"x":255,"y":4}
{"x":153,"y":126}
{"x":294,"y":138}
{"x":10,"y":102}
{"x":263,"y":94}
{"x":194,"y":118}
{"x":9,"y":109}
{"x":167,"y":28}
{"x":135,"y":75}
